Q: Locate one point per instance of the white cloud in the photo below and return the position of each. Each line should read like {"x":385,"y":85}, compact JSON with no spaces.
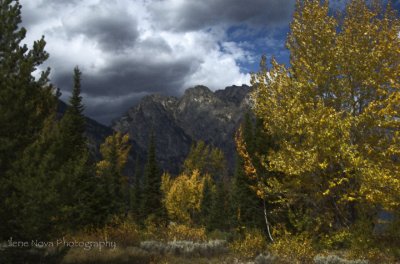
{"x":124,"y":50}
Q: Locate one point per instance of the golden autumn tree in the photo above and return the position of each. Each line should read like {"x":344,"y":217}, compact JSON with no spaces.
{"x":334,"y":113}
{"x":183,"y":196}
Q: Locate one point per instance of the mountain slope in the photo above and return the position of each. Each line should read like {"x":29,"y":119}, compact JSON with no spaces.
{"x":199,"y":114}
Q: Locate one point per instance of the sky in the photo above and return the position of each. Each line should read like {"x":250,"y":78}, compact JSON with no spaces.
{"x":127,"y":49}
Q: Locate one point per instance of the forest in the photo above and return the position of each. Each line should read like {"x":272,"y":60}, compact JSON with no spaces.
{"x":316,"y":177}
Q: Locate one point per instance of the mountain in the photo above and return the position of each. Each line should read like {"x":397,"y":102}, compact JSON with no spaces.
{"x":199,"y":114}
{"x":96,"y":133}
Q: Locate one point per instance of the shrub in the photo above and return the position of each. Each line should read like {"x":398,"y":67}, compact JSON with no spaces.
{"x":221,"y":235}
{"x":125,"y":232}
{"x":183,"y":232}
{"x":293,"y":249}
{"x":154,"y":229}
{"x":252,"y":244}
{"x":337,"y":240}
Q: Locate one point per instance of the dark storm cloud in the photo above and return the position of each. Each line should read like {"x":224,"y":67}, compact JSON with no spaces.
{"x":105,"y":109}
{"x":113,"y":90}
{"x":120,"y":86}
{"x":124,"y":77}
{"x":194,"y":14}
{"x":114,"y":32}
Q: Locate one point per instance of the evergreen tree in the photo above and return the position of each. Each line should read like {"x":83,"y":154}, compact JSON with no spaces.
{"x":249,"y":133}
{"x":25,"y":102}
{"x":152,"y":195}
{"x":73,"y":155}
{"x":73,"y":122}
{"x":219,"y":208}
{"x":136,"y":190}
{"x":246,"y":206}
{"x":62,"y":174}
{"x":34,"y":202}
{"x":206,"y":203}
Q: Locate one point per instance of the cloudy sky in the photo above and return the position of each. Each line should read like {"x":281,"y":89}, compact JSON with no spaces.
{"x":129,"y":48}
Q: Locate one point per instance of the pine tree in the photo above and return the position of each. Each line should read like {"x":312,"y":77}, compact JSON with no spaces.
{"x":63,"y":178}
{"x":34,"y":208}
{"x":206,"y":203}
{"x":136,"y":190}
{"x":151,"y":195}
{"x":73,"y":123}
{"x":74,"y":161}
{"x":25,"y":104}
{"x":247,"y":210}
{"x":246,"y":206}
{"x":219,"y":208}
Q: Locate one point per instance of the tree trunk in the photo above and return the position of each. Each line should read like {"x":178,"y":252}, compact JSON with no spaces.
{"x":267,"y":222}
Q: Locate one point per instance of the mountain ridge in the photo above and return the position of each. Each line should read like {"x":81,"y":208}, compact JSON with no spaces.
{"x":199,"y":114}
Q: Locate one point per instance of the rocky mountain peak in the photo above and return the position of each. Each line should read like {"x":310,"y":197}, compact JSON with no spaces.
{"x":198,"y":90}
{"x":234,"y":94}
{"x":199,"y":114}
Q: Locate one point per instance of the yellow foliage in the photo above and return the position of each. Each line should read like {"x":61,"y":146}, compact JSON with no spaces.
{"x":293,"y":249}
{"x":124,"y":232}
{"x":115,"y":152}
{"x":335,"y":111}
{"x":184,"y":232}
{"x":252,"y":244}
{"x":183,"y":196}
{"x":153,"y":230}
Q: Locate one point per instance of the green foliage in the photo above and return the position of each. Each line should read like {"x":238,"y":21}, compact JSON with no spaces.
{"x":136,"y":190}
{"x":220,"y":208}
{"x":207,"y":202}
{"x":25,"y":103}
{"x":246,"y":206}
{"x":73,"y":122}
{"x":151,"y":194}
{"x":62,"y":178}
{"x":72,"y":159}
